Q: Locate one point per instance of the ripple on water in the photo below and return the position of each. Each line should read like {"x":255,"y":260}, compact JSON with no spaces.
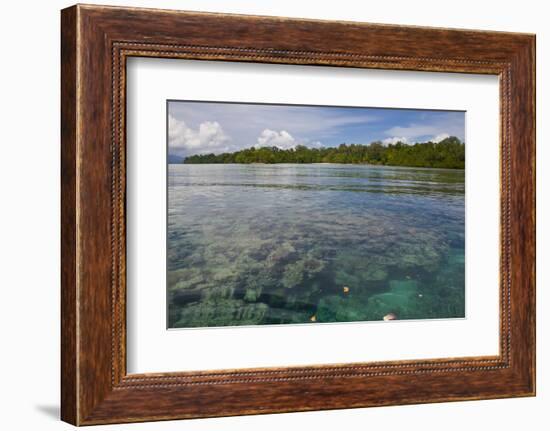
{"x":276,"y":244}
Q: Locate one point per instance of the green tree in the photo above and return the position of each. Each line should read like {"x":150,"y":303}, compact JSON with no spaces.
{"x":448,"y":153}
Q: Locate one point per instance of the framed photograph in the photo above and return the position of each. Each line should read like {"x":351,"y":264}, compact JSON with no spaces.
{"x":264,"y":214}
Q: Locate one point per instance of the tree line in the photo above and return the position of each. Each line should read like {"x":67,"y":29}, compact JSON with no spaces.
{"x":448,"y":153}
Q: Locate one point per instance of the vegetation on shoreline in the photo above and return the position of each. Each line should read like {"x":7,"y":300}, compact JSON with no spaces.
{"x":448,"y":153}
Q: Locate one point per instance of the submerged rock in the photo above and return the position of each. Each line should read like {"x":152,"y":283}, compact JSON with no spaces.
{"x":375,"y":273}
{"x":293,"y":275}
{"x":298,"y":271}
{"x":219,"y":292}
{"x":358,"y":271}
{"x":227,"y":312}
{"x":186,"y":278}
{"x":281,"y":254}
{"x":425,"y":250}
{"x":251,"y":295}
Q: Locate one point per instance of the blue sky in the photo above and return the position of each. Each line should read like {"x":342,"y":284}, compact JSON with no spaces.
{"x":210,"y":127}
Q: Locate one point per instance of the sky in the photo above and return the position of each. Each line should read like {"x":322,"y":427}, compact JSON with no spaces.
{"x":214,"y":127}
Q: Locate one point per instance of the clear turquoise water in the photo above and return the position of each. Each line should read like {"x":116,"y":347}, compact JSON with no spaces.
{"x":277,"y":244}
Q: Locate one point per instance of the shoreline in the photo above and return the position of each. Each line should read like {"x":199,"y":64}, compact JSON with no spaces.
{"x":318,"y":163}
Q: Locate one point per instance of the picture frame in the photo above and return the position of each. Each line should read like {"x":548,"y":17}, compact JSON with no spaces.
{"x":96,"y":42}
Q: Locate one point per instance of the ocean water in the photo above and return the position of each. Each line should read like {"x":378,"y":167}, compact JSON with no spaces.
{"x":318,"y":243}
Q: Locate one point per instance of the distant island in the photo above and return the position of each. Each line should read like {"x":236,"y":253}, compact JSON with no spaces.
{"x":448,"y":153}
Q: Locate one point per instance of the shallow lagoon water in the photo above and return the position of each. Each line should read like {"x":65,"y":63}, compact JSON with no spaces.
{"x":278,"y":244}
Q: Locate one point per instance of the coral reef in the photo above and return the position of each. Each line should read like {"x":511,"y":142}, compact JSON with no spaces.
{"x":220,"y":313}
{"x":255,"y":245}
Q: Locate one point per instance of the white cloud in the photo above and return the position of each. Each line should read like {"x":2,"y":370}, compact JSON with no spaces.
{"x":438,"y":130}
{"x":314,"y":144}
{"x":271,"y":138}
{"x":405,"y":140}
{"x":440,"y":137}
{"x":302,"y":122}
{"x":283,"y":140}
{"x":209,"y":137}
{"x":413,"y":131}
{"x":395,"y":140}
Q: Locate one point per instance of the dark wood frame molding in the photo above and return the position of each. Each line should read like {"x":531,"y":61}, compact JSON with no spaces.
{"x":95,"y":43}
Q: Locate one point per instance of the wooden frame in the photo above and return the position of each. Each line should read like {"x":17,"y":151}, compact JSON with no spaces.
{"x":96,"y":41}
